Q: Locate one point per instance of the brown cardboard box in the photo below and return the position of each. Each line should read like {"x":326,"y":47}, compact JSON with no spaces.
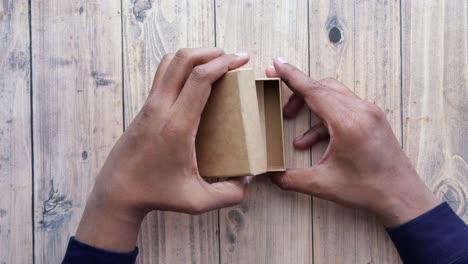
{"x":241,"y":129}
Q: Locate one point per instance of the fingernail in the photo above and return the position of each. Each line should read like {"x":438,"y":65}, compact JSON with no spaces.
{"x":281,"y":60}
{"x":241,"y":54}
{"x":271,"y":67}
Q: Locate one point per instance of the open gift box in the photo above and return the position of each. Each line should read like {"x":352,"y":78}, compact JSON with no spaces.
{"x":241,"y":128}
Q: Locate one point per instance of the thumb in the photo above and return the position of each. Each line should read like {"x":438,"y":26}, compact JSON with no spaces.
{"x":300,"y":180}
{"x":226,"y":193}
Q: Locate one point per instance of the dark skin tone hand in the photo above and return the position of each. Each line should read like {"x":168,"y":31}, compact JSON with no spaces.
{"x":153,"y":165}
{"x":364,"y":165}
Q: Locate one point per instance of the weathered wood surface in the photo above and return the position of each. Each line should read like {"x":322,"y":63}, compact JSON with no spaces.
{"x":270,"y":226}
{"x":357,"y":42}
{"x":377,"y":78}
{"x":92,"y":67}
{"x":15,"y":134}
{"x":152,"y":29}
{"x":435,"y":96}
{"x":77,"y":111}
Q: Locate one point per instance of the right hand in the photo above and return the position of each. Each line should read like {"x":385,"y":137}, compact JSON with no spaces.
{"x":364,"y":165}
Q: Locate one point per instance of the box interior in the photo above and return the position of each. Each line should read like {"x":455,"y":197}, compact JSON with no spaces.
{"x":271,"y":118}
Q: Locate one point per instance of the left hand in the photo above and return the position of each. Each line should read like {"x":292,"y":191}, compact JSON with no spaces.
{"x":153,"y":165}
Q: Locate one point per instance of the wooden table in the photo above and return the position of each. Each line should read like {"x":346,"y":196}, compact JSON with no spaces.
{"x":73,"y":74}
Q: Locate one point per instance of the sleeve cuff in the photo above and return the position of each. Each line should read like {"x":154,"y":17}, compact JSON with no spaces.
{"x":79,"y":252}
{"x":437,"y":236}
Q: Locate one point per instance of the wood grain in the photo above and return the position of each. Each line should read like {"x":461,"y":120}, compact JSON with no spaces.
{"x":358,"y":43}
{"x":15,"y":134}
{"x":377,"y":78}
{"x":270,"y":226}
{"x":435,"y":86}
{"x":78,"y":113}
{"x":152,"y":29}
{"x":77,"y":106}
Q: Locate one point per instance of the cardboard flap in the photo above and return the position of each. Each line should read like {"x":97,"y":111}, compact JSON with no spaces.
{"x":241,"y":128}
{"x":229,"y":141}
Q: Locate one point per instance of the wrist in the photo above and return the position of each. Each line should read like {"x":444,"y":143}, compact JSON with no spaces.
{"x":404,"y":203}
{"x":109,"y":224}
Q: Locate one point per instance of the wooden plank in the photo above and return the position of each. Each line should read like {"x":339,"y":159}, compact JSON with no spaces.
{"x":333,"y":225}
{"x":15,"y":134}
{"x":377,"y":73}
{"x":270,"y":226}
{"x":435,"y":85}
{"x":356,"y":42}
{"x":77,"y":103}
{"x":152,"y":29}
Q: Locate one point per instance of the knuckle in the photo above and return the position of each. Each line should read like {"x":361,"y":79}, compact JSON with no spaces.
{"x":285,"y":182}
{"x":195,"y":207}
{"x":149,"y":109}
{"x":351,"y":127}
{"x":317,"y":87}
{"x":361,"y":121}
{"x":171,"y":129}
{"x":167,"y":57}
{"x":219,"y":51}
{"x":175,"y":126}
{"x":237,"y":197}
{"x":289,"y":72}
{"x":328,"y":81}
{"x":183,"y":54}
{"x":373,"y":112}
{"x":199,"y":73}
{"x":315,"y":187}
{"x":292,"y":72}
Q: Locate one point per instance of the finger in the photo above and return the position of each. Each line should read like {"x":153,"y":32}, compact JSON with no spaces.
{"x":295,"y":79}
{"x":317,"y":96}
{"x":335,"y":85}
{"x":225,"y":193}
{"x":293,"y":106}
{"x":300,"y":180}
{"x":193,"y":97}
{"x":295,"y":102}
{"x":315,"y":134}
{"x":270,"y":72}
{"x":162,"y":68}
{"x":180,"y":68}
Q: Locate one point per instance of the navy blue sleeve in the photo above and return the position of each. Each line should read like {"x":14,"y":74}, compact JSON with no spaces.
{"x":79,"y":252}
{"x":437,"y":236}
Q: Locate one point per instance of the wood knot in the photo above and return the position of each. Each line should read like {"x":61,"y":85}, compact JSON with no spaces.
{"x":236,"y":219}
{"x":334,"y":35}
{"x":101,"y":80}
{"x":56,"y":210}
{"x":140,"y":9}
{"x":84,"y":155}
{"x":451,"y":191}
{"x":335,"y":31}
{"x":235,"y":223}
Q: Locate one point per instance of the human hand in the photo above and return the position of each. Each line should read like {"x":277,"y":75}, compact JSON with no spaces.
{"x":364,"y":165}
{"x":153,"y":165}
